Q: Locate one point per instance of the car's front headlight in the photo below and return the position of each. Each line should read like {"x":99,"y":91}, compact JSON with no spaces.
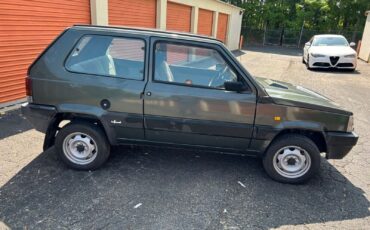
{"x":350,"y":56}
{"x":317,"y":55}
{"x":350,"y":125}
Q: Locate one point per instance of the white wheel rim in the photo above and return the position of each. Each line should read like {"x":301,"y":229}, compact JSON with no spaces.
{"x":292,"y":162}
{"x":80,"y":148}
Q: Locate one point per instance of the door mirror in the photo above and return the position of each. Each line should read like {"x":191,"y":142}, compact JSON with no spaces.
{"x":235,"y":86}
{"x":352,"y":44}
{"x":308,"y":44}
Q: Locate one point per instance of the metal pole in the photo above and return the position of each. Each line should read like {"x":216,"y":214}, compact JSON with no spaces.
{"x":300,"y":35}
{"x":264,"y":36}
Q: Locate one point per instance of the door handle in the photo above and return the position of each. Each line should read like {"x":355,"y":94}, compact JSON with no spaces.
{"x":149,"y":93}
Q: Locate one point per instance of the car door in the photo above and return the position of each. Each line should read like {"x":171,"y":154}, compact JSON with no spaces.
{"x":185,"y":100}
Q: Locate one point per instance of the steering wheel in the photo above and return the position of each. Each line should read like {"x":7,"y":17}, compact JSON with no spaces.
{"x":219,"y":80}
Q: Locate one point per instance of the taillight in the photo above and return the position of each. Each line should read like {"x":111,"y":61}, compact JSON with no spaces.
{"x":28,"y":82}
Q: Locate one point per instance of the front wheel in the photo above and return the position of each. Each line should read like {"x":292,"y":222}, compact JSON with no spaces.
{"x":82,"y":146}
{"x":292,"y":159}
{"x":308,"y":63}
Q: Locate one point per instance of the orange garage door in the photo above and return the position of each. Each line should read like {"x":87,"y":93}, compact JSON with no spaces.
{"x":26,"y":28}
{"x":178,"y":17}
{"x":222,"y":26}
{"x":132,"y":13}
{"x":205,"y":21}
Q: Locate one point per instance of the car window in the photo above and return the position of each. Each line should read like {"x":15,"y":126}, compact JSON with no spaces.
{"x":108,"y":56}
{"x":191,"y":65}
{"x":330,"y":41}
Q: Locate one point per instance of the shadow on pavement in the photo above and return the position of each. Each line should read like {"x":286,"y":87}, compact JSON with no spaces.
{"x":12,"y":123}
{"x":275,"y":50}
{"x":337,"y":71}
{"x":172,"y":189}
{"x":238,"y":53}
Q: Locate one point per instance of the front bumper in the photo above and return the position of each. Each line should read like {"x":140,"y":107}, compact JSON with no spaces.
{"x":38,"y":115}
{"x":325,"y":62}
{"x":339,"y":144}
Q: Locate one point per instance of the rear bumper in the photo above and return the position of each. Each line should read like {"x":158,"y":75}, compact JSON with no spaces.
{"x":38,"y":115}
{"x":339,"y":144}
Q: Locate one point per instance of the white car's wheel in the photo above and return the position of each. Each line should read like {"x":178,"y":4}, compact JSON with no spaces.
{"x":308,"y":63}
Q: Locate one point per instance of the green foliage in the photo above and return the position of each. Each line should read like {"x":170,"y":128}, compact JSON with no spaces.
{"x":320,"y":15}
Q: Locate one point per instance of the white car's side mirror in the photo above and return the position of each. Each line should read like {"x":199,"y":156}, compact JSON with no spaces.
{"x":308,"y":44}
{"x":352,"y":44}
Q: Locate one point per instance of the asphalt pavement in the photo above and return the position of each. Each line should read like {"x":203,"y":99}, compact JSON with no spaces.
{"x":170,"y":188}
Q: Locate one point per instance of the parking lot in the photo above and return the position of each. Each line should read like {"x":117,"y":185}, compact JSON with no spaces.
{"x":168,"y":188}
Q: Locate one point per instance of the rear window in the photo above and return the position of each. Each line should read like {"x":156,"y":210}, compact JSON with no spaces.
{"x":108,"y":56}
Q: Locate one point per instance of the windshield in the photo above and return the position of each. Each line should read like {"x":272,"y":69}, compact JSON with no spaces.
{"x":330,"y":41}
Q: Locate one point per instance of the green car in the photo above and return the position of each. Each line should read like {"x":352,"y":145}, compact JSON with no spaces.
{"x":95,"y":87}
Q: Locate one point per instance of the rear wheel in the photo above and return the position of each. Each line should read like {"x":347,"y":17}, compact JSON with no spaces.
{"x":82,"y":146}
{"x":292,"y":159}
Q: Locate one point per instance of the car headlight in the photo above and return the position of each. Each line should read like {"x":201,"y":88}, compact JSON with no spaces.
{"x":350,"y":125}
{"x":317,"y":55}
{"x":350,"y":56}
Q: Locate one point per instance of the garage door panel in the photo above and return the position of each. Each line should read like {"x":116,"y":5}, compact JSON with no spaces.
{"x":9,"y":72}
{"x":178,"y":17}
{"x":132,"y":13}
{"x":222,"y":26}
{"x":27,"y":27}
{"x":11,"y":97}
{"x":205,"y":22}
{"x":6,"y":80}
{"x":43,"y":3}
{"x":40,"y":19}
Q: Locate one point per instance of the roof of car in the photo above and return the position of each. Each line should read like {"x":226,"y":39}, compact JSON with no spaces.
{"x":151,"y":32}
{"x":328,"y":35}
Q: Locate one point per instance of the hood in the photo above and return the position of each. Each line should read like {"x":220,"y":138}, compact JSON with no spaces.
{"x":332,"y":50}
{"x":287,"y":94}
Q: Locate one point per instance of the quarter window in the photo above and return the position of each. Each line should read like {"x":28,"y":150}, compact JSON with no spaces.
{"x":191,"y":65}
{"x":108,"y":56}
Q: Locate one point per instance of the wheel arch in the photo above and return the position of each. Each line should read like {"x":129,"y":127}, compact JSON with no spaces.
{"x":316,"y":136}
{"x":54,"y":126}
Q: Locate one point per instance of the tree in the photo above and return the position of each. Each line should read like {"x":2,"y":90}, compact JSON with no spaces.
{"x":320,"y":15}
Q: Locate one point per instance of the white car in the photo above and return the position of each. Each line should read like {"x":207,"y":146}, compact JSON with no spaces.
{"x":329,"y":51}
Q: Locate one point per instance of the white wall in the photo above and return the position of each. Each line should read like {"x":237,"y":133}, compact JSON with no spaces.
{"x":235,"y":26}
{"x":99,"y":12}
{"x":365,"y":42}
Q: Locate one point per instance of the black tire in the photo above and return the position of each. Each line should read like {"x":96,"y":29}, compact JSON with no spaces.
{"x":98,"y":138}
{"x":303,"y":61}
{"x":300,"y":141}
{"x":307,"y":63}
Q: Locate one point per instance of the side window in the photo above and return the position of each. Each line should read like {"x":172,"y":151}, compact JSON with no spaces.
{"x":191,"y":65}
{"x":108,"y":56}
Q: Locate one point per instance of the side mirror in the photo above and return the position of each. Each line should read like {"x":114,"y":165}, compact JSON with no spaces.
{"x":352,"y":44}
{"x":307,"y":44}
{"x":235,"y":86}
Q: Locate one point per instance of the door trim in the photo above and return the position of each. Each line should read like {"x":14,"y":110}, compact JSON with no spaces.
{"x":195,"y":126}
